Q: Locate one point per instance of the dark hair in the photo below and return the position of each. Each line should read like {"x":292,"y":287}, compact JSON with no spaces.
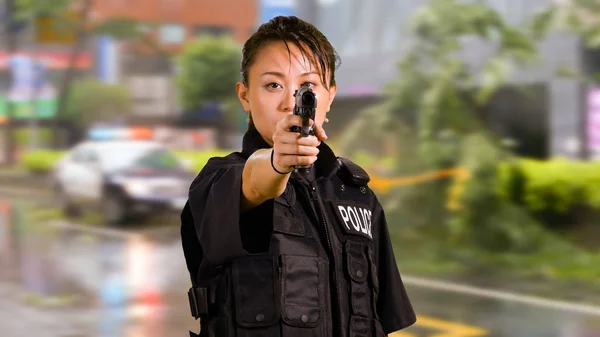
{"x":290,"y":29}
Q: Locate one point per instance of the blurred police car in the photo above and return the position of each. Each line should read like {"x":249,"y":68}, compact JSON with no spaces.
{"x":121,"y":179}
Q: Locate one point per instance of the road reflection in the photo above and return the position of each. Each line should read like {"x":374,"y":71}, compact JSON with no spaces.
{"x":111,"y":282}
{"x":133,"y":282}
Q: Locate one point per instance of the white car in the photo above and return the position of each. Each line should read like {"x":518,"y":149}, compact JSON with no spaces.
{"x":121,"y":179}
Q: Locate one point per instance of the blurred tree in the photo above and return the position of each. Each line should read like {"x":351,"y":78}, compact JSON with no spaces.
{"x":29,"y":10}
{"x":440,"y":96}
{"x":579,"y":17}
{"x":122,"y":28}
{"x":437,"y":91}
{"x":131,"y":30}
{"x":64,"y":21}
{"x":208,"y":71}
{"x":70,"y":18}
{"x":93,"y":101}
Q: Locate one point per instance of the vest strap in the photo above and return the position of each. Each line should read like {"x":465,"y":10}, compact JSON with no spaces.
{"x":198,"y":297}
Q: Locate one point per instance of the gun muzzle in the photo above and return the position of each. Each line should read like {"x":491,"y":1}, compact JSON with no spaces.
{"x":305,"y":107}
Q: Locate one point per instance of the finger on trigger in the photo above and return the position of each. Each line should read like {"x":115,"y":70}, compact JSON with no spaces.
{"x":292,"y":120}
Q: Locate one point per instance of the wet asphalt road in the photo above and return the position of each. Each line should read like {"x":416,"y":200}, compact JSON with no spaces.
{"x":134,"y":282}
{"x":470,"y":316}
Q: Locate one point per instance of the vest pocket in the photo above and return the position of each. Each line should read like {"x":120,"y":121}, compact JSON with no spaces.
{"x":256,"y":292}
{"x":286,"y":219}
{"x":303,"y":281}
{"x":358,"y":268}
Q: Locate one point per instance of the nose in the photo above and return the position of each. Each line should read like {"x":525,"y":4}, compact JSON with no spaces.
{"x":288,"y":101}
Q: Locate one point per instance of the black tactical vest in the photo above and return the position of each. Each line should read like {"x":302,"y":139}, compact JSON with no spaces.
{"x":316,"y":261}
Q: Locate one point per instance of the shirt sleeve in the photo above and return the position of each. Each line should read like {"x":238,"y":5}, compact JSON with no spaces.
{"x":393,"y":306}
{"x":214,"y":205}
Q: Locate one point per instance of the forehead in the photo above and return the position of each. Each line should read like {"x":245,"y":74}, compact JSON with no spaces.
{"x":275,"y":56}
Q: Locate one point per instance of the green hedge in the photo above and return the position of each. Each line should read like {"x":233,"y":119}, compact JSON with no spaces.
{"x":22,"y":136}
{"x":199,"y":158}
{"x":42,"y":161}
{"x":552,"y":188}
{"x":557,"y":186}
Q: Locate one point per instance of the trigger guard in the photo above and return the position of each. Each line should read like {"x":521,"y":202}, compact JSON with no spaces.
{"x":298,"y":129}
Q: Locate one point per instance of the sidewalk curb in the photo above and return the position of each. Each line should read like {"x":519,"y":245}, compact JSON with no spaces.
{"x":23,"y":179}
{"x":502,"y":295}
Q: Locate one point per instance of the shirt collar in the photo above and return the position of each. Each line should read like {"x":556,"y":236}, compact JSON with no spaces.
{"x":326,"y":165}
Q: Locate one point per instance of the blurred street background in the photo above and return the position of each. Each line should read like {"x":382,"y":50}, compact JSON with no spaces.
{"x":478,"y":121}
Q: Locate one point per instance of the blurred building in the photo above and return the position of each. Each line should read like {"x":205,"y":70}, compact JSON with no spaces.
{"x":149,"y":73}
{"x":179,"y":21}
{"x":32,"y":66}
{"x":370,"y":37}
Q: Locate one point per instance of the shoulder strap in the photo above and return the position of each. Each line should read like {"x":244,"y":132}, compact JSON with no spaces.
{"x":352,"y":173}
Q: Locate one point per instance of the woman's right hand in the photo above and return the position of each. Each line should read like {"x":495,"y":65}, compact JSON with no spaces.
{"x":290,"y":149}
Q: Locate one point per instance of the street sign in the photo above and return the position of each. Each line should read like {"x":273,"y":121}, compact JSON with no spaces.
{"x":61,"y":30}
{"x":593,"y":121}
{"x":31,"y":93}
{"x":29,"y":79}
{"x":51,"y":59}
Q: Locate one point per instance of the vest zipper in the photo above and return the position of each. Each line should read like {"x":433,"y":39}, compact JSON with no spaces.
{"x":321,"y":214}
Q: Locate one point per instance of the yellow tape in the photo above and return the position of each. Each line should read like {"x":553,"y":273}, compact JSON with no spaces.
{"x":384,"y":185}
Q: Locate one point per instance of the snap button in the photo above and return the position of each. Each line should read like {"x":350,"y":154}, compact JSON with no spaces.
{"x":359,"y":273}
{"x":363,"y":190}
{"x":260,"y":317}
{"x":342,"y":188}
{"x":304,"y":318}
{"x":314,"y":188}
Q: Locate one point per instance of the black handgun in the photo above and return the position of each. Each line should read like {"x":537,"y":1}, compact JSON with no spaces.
{"x":305,"y":107}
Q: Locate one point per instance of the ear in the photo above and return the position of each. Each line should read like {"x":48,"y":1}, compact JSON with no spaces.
{"x":242,"y":92}
{"x":332,"y":92}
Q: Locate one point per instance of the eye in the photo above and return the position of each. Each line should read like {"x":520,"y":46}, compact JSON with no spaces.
{"x":309,"y":84}
{"x":273,"y":85}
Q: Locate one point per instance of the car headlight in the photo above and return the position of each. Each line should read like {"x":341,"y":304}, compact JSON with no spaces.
{"x":137,"y":188}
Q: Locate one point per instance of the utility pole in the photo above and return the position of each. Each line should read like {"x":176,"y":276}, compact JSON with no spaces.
{"x":11,"y":31}
{"x":38,"y":80}
{"x":69,"y":74}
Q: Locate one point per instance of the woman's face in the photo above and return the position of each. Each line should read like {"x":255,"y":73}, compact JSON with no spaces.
{"x":272,"y":80}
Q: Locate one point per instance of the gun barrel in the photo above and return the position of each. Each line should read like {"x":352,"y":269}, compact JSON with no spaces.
{"x":305,"y":107}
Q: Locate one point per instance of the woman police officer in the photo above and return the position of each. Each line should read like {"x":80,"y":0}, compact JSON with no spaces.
{"x":275,"y":253}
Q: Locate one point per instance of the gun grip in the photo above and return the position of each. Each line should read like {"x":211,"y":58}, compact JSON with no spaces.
{"x":303,"y":170}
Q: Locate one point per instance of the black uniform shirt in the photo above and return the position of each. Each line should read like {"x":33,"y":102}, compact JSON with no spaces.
{"x":331,"y":218}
